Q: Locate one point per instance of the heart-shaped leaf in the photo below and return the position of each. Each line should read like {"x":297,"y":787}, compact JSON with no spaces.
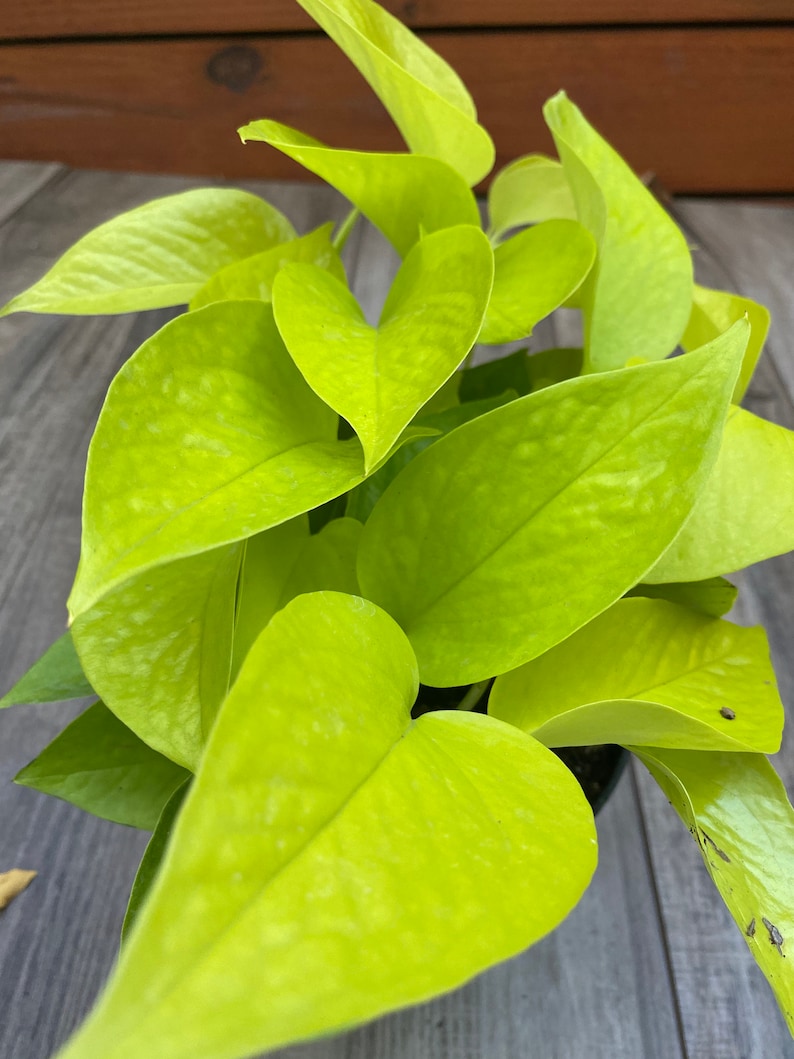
{"x":320,"y":871}
{"x":253,"y":276}
{"x":157,"y":254}
{"x":99,"y":765}
{"x":652,"y":673}
{"x":55,"y":677}
{"x":737,"y":810}
{"x":637,"y":299}
{"x":478,"y":546}
{"x":535,"y":272}
{"x":209,"y":434}
{"x":715,"y":596}
{"x":404,"y":195}
{"x":158,"y":649}
{"x":529,"y":190}
{"x":426,"y":99}
{"x":746,"y":510}
{"x":378,"y":378}
{"x":713,"y":311}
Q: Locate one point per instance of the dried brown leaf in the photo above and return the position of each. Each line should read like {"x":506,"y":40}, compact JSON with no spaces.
{"x":12,"y":883}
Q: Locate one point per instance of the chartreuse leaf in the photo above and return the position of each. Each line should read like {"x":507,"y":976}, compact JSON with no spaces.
{"x":404,"y":195}
{"x":336,"y":834}
{"x":56,"y":676}
{"x":715,"y":596}
{"x":284,"y":562}
{"x":521,"y":372}
{"x":378,"y":378}
{"x":637,"y":299}
{"x":426,"y":99}
{"x":530,"y":189}
{"x":158,"y":254}
{"x":209,"y":434}
{"x":713,"y":311}
{"x":746,"y":510}
{"x":99,"y":765}
{"x":652,"y":673}
{"x":535,"y":272}
{"x":362,"y":499}
{"x":158,"y":649}
{"x":477,"y":548}
{"x":253,"y":276}
{"x":737,"y":810}
{"x":152,"y":857}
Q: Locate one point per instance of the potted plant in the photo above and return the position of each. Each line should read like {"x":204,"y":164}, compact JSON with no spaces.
{"x":294,"y":518}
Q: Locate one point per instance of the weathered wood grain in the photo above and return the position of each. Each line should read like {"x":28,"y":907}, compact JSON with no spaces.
{"x":91,"y":18}
{"x":727,"y":1010}
{"x":702,"y":106}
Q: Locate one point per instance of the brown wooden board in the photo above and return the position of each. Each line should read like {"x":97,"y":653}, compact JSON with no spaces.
{"x":705,"y":108}
{"x":91,"y":18}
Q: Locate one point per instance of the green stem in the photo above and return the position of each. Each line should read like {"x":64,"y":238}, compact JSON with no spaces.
{"x":473,"y":695}
{"x":345,"y":228}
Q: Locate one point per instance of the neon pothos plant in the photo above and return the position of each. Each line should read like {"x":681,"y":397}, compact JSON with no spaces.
{"x":260,"y":591}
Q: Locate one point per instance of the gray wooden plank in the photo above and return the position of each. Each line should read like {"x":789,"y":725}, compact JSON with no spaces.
{"x":599,"y":986}
{"x":727,"y":1009}
{"x":20,"y":181}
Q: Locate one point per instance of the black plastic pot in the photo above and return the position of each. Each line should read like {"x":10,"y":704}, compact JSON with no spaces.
{"x":598,"y":768}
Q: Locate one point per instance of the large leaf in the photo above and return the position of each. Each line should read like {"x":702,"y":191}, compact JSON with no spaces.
{"x":253,"y":276}
{"x":513,"y":531}
{"x":714,"y":596}
{"x":404,"y":195}
{"x":529,"y":190}
{"x":284,"y":562}
{"x":56,"y":676}
{"x":536,"y":272}
{"x":158,"y":254}
{"x":649,"y":672}
{"x":713,"y":311}
{"x":152,"y":857}
{"x":746,"y":510}
{"x":426,"y":99}
{"x":378,"y":378}
{"x":209,"y":434}
{"x":99,"y":765}
{"x":637,"y":299}
{"x":737,"y":810}
{"x":321,"y":869}
{"x":158,"y":649}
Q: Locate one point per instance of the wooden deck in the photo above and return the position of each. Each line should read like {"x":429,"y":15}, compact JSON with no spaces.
{"x":649,"y":966}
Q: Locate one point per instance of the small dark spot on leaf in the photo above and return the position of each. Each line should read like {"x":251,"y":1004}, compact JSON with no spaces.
{"x":235,"y":67}
{"x":728,"y":713}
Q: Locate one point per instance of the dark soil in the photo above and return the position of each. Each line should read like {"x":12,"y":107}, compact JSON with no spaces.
{"x":598,"y":768}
